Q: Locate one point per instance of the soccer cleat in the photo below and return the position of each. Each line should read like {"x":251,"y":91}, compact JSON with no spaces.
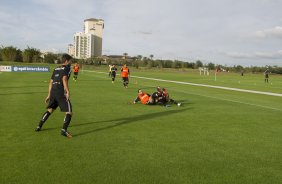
{"x":66,"y":134}
{"x":38,"y":129}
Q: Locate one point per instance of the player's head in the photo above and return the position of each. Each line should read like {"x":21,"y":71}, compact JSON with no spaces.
{"x":159,"y":89}
{"x":165,"y":92}
{"x":124,"y":65}
{"x":140,"y":91}
{"x":66,"y":59}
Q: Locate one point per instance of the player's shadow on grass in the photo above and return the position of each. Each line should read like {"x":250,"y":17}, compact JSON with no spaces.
{"x":93,"y":79}
{"x":7,"y":87}
{"x":21,"y":93}
{"x":123,"y":121}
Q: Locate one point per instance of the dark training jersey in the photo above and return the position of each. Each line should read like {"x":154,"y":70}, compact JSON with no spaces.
{"x":57,"y":77}
{"x":113,"y":72}
{"x":114,"y":69}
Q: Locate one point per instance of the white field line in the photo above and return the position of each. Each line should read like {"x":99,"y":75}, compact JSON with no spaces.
{"x":224,"y":99}
{"x":203,"y":85}
{"x":234,"y":101}
{"x":206,"y":96}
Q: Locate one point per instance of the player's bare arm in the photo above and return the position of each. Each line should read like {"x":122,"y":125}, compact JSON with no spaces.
{"x":49,"y":91}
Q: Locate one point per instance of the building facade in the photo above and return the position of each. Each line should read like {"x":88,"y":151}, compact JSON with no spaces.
{"x":88,"y":44}
{"x":71,"y":50}
{"x":84,"y":45}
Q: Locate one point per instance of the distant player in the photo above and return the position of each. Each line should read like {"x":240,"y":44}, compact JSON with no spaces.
{"x":125,"y":75}
{"x":75,"y":71}
{"x":59,"y":95}
{"x":144,"y":98}
{"x":113,"y":73}
{"x":266,"y":75}
{"x":110,"y":70}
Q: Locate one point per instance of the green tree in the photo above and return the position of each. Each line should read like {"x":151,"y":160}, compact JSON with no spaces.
{"x":160,"y":63}
{"x":50,"y":58}
{"x":168,"y":64}
{"x":125,"y":55}
{"x":150,"y":64}
{"x":11,"y":54}
{"x":211,"y":66}
{"x":31,"y":55}
{"x":151,"y":56}
{"x":239,"y":68}
{"x":199,"y":64}
{"x":139,"y":57}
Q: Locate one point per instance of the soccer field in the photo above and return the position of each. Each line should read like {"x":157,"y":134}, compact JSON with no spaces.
{"x":217,"y":136}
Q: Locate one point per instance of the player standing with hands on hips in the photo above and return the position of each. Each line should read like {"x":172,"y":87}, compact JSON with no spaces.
{"x":59,"y":95}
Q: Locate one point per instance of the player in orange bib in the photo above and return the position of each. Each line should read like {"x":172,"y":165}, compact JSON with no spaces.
{"x":125,"y":74}
{"x":144,"y":98}
{"x":75,"y":71}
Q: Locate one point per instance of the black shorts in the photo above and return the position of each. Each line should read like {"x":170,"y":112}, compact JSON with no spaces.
{"x":113,"y":74}
{"x":75,"y":73}
{"x":61,"y":101}
{"x":125,"y":79}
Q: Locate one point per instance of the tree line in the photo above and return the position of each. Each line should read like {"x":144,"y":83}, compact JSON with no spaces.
{"x":33,"y":55}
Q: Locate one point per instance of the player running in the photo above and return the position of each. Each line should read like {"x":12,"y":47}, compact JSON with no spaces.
{"x":113,"y":73}
{"x":266,"y":75}
{"x":125,"y":74}
{"x":110,"y":70}
{"x":59,"y":95}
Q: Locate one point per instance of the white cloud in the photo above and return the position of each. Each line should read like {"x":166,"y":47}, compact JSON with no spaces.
{"x":237,"y":55}
{"x":269,"y":55}
{"x":166,"y":29}
{"x":275,"y":32}
{"x":254,"y":55}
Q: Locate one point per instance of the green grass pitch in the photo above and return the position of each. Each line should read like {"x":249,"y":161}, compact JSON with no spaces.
{"x":217,"y":136}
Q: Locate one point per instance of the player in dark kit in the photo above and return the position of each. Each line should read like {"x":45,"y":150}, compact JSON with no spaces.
{"x":161,"y":97}
{"x":166,"y":98}
{"x":266,"y":75}
{"x":113,"y":73}
{"x":59,"y":95}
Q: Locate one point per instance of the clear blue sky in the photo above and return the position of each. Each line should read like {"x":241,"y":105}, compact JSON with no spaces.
{"x":227,"y":32}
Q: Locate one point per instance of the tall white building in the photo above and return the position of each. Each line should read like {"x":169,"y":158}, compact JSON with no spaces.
{"x":71,"y":50}
{"x":95,"y":27}
{"x":83,"y":45}
{"x":89,"y":43}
